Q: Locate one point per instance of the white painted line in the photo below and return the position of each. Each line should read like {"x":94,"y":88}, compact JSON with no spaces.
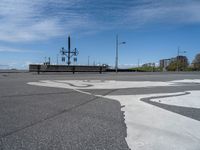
{"x":94,"y":84}
{"x":83,"y":92}
{"x":197,"y":81}
{"x":153,"y":128}
{"x":192,"y":100}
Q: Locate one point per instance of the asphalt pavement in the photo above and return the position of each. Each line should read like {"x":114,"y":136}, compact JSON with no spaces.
{"x":51,"y":118}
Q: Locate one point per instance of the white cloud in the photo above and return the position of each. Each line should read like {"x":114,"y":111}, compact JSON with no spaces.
{"x":15,"y":50}
{"x":37,"y":31}
{"x":23,"y":20}
{"x":170,"y":12}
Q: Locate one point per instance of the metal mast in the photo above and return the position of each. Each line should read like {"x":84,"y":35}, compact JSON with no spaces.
{"x":68,"y":57}
{"x":68,"y":53}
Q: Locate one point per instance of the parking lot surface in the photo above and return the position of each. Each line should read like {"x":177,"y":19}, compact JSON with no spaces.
{"x":144,"y":111}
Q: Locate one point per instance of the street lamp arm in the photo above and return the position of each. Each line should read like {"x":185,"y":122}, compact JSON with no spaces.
{"x":122,"y":43}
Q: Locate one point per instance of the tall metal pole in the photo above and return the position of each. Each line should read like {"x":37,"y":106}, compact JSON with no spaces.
{"x":68,"y":62}
{"x":177,"y":61}
{"x":116,"y":59}
{"x":49,"y":61}
{"x":57,"y":59}
{"x":88,"y":60}
{"x":69,"y":53}
{"x":138,"y":63}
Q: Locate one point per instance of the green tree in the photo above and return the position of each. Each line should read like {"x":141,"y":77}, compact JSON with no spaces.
{"x":181,"y":64}
{"x":172,"y":66}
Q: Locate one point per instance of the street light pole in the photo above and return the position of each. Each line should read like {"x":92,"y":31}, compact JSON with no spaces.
{"x":177,"y":61}
{"x":116,"y":59}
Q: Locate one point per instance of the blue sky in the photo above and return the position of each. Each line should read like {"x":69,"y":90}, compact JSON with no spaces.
{"x":152,"y":29}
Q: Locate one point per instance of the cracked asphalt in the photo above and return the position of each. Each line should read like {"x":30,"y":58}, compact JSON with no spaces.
{"x":44,"y":118}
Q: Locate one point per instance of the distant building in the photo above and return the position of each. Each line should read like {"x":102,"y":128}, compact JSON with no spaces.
{"x":182,"y":59}
{"x":164,"y":63}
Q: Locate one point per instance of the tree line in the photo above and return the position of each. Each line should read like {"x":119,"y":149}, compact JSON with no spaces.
{"x":183,"y":64}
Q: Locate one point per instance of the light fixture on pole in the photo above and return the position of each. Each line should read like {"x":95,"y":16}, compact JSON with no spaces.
{"x":116,"y":59}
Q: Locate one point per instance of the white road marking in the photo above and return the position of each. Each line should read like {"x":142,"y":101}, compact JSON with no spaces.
{"x":110,"y":84}
{"x":197,"y":81}
{"x":192,"y":100}
{"x":148,"y":127}
{"x":153,"y":128}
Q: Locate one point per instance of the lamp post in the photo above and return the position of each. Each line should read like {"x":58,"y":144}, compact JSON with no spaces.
{"x":177,"y":61}
{"x":116,"y":59}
